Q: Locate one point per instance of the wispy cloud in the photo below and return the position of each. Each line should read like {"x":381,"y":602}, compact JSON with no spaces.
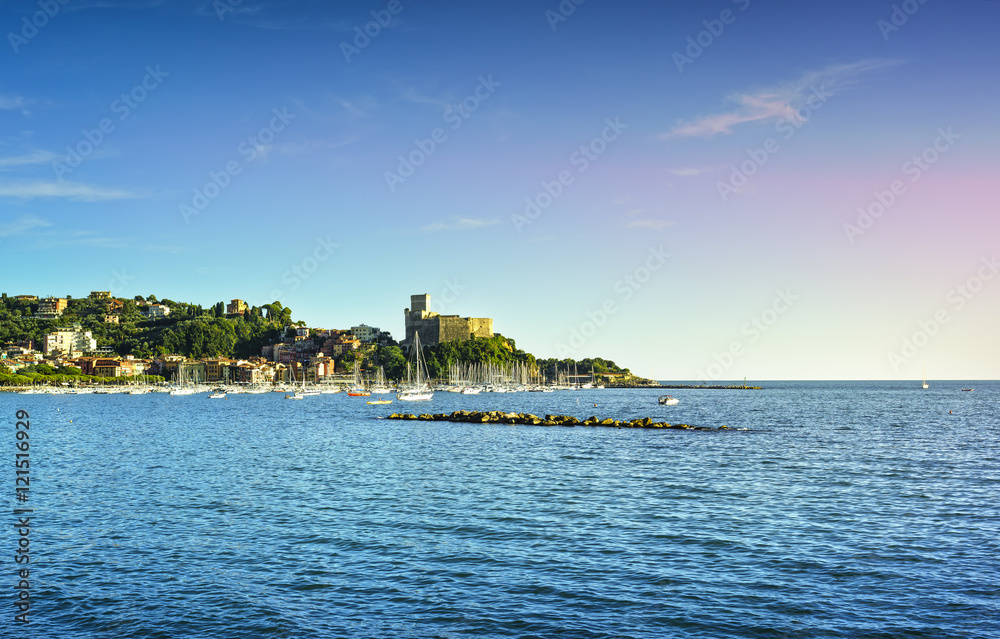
{"x":12,"y":102}
{"x":655,"y":225}
{"x":91,"y":239}
{"x":21,"y":225}
{"x":460,"y":224}
{"x":69,"y":190}
{"x":782,"y":101}
{"x":35,"y":157}
{"x":15,"y":103}
{"x":111,"y":4}
{"x":688,"y":172}
{"x":413,"y":96}
{"x":271,"y":17}
{"x":361,"y":108}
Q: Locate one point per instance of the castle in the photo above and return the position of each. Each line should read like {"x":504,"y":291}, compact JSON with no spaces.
{"x":435,"y":328}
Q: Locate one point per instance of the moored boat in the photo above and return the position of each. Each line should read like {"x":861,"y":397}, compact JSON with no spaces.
{"x":416,"y":387}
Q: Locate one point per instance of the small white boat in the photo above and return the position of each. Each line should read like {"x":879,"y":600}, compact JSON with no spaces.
{"x":217,"y":395}
{"x":669,"y":400}
{"x":414,"y":395}
{"x":295,"y":396}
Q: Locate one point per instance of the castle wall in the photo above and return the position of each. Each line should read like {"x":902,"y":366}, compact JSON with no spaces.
{"x":434,"y":328}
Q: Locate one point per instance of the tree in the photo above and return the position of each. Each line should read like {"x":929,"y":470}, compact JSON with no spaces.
{"x":391,"y":359}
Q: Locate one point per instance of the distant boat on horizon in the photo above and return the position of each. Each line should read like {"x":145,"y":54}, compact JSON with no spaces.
{"x":925,"y":376}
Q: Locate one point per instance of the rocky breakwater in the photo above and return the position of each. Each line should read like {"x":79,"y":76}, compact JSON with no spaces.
{"x":500,"y":417}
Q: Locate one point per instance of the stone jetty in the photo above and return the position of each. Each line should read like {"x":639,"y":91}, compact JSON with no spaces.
{"x":706,"y":387}
{"x":500,"y":417}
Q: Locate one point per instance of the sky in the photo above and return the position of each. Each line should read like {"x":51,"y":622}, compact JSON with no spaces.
{"x":695,"y":190}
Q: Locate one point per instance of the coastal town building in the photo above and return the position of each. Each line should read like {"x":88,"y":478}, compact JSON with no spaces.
{"x":156,"y":311}
{"x":100,"y":295}
{"x":51,"y":307}
{"x":365,"y":334}
{"x":192,"y":370}
{"x":69,"y":341}
{"x":435,"y":328}
{"x":114,"y":368}
{"x":236,"y":307}
{"x":339,"y":345}
{"x":217,"y":370}
{"x":26,"y":298}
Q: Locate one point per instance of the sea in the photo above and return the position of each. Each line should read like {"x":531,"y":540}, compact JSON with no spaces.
{"x":861,"y":510}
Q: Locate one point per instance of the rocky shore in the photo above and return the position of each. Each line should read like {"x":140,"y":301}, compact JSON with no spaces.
{"x":715,"y":387}
{"x":500,"y":417}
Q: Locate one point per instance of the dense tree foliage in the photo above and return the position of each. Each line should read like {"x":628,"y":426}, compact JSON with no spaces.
{"x":189,"y":329}
{"x":583,"y":366}
{"x":478,"y":350}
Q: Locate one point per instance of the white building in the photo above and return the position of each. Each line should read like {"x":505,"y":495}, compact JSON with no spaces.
{"x":156,"y":311}
{"x":365,"y":334}
{"x":70,"y":340}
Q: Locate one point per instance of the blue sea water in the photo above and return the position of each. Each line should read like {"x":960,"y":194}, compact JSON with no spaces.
{"x":855,"y":510}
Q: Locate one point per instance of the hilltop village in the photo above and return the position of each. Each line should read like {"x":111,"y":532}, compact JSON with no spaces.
{"x":106,"y":339}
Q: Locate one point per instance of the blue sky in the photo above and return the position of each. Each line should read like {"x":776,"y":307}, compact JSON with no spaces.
{"x":697,"y":204}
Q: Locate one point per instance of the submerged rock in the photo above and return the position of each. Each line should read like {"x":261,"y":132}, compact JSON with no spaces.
{"x":501,"y":417}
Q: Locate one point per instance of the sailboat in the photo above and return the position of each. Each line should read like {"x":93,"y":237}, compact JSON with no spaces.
{"x":182,"y":389}
{"x":358,"y":389}
{"x":380,"y":387}
{"x":299,"y":394}
{"x":416,"y":387}
{"x":925,"y":377}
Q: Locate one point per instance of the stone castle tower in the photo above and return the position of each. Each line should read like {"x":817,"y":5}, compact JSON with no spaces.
{"x":435,"y":328}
